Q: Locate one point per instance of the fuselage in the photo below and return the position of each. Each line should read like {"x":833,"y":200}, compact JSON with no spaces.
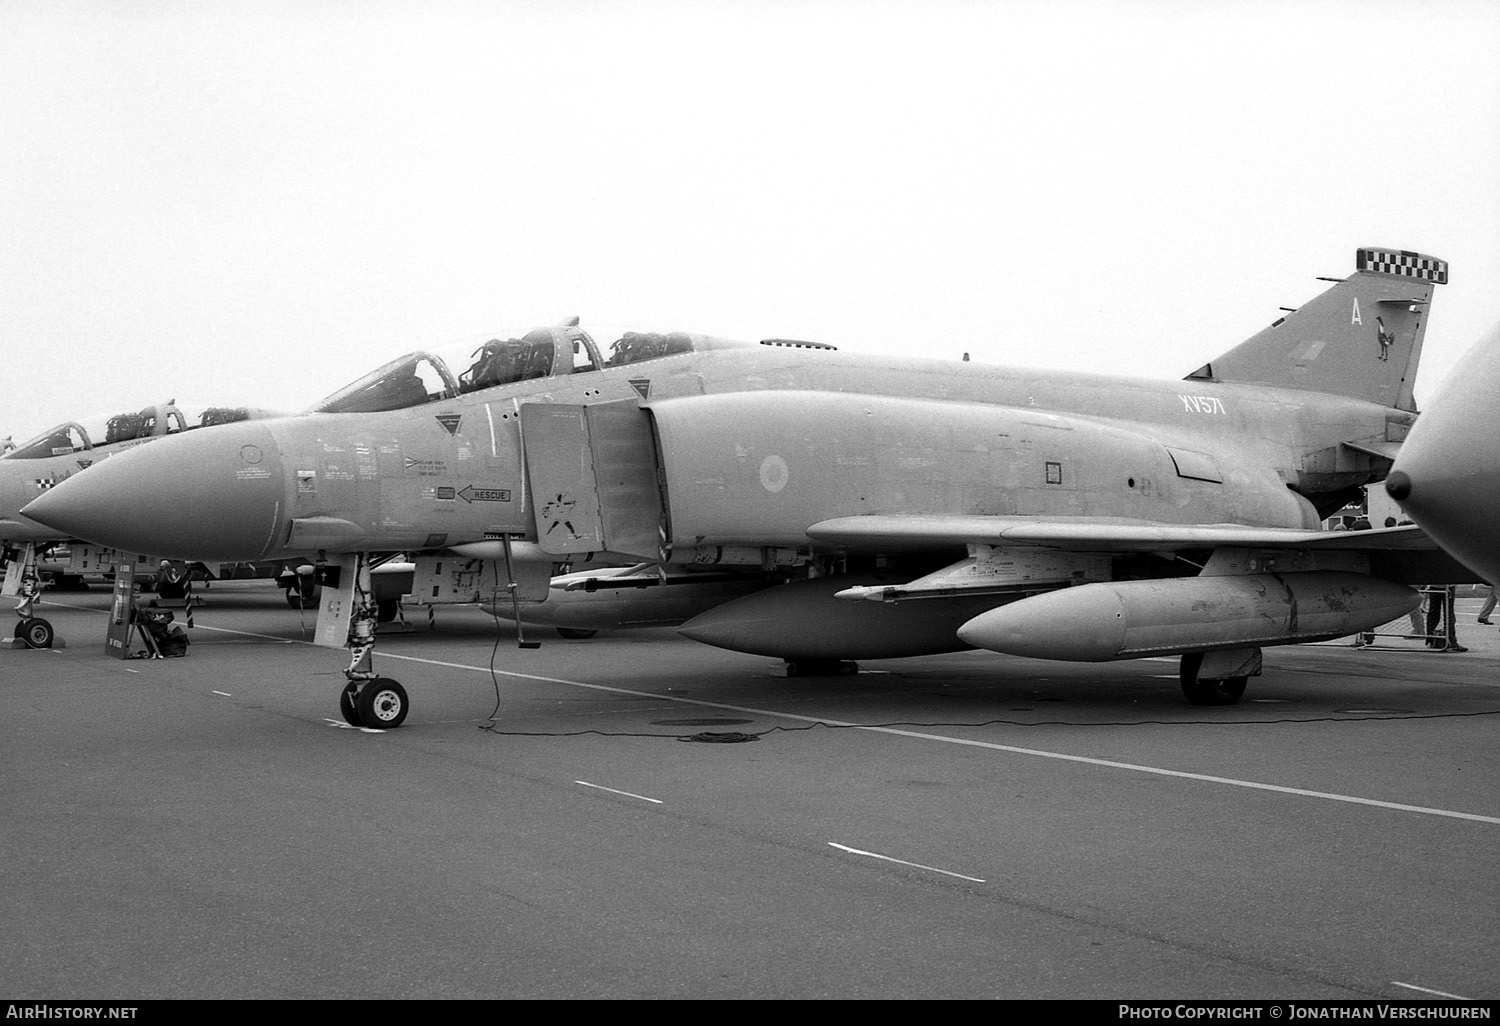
{"x":755,"y":443}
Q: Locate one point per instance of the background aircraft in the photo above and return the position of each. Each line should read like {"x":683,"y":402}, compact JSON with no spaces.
{"x":911,"y":506}
{"x":35,"y":466}
{"x":1447,"y":476}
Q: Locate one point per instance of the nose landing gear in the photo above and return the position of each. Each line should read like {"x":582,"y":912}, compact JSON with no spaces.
{"x":368,"y":700}
{"x":32,"y":631}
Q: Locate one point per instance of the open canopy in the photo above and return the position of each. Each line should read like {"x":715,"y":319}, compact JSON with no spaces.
{"x":426,"y":376}
{"x":104,"y":429}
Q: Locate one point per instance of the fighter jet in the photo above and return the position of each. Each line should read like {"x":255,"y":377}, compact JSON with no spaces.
{"x":906,"y":506}
{"x":1447,"y":476}
{"x":40,"y":464}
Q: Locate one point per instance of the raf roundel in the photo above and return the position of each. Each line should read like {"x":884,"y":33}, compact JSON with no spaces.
{"x":773,"y":473}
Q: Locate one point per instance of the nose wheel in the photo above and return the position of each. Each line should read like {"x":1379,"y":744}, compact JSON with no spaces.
{"x":380,"y":703}
{"x":32,"y":631}
{"x":35,"y":632}
{"x":368,"y":700}
{"x":349,"y":705}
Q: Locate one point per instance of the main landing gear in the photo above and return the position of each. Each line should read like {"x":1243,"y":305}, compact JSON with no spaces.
{"x":821,"y":668}
{"x":302,"y":590}
{"x":1218,"y":678}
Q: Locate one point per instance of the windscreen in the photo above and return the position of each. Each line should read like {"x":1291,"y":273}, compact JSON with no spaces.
{"x":411,"y":380}
{"x":59,"y":441}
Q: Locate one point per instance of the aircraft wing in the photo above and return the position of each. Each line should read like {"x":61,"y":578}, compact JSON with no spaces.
{"x":1100,"y":534}
{"x":1008,"y":553}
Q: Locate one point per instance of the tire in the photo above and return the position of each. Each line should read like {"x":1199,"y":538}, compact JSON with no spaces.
{"x":36,"y":632}
{"x":575,"y":633}
{"x":297,"y":600}
{"x":382,"y":704}
{"x":385,"y":611}
{"x":348,"y":709}
{"x":1209,"y":692}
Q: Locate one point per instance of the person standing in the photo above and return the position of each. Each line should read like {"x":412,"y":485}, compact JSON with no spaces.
{"x":1489,"y":605}
{"x":1442,"y":632}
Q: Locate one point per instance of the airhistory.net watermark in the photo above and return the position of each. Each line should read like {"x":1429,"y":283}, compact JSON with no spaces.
{"x":53,"y":1010}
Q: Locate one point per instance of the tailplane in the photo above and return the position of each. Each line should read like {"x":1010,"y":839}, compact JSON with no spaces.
{"x":1362,"y":338}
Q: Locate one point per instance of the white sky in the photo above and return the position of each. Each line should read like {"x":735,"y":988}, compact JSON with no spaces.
{"x":240,"y":202}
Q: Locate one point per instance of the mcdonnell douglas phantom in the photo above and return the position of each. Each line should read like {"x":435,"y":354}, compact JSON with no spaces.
{"x":33,"y":467}
{"x":868,"y":507}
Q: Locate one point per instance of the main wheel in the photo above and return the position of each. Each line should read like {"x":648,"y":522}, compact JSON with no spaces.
{"x":348,"y":708}
{"x":575,"y":633}
{"x":297,"y":600}
{"x":1209,"y":692}
{"x":382,"y":703}
{"x":35,"y":632}
{"x":821,"y":668}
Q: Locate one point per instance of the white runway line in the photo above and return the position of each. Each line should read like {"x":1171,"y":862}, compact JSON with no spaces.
{"x":1012,"y":749}
{"x":1086,"y":760}
{"x":902,"y":862}
{"x":224,"y":693}
{"x":627,"y":794}
{"x":252,"y":634}
{"x":349,"y":726}
{"x":1424,"y":990}
{"x":1207,"y":778}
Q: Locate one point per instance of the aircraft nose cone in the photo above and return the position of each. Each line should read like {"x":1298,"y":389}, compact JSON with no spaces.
{"x":211,"y":493}
{"x":1447,"y":475}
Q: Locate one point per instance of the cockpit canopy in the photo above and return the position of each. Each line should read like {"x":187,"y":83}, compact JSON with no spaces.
{"x":164,"y":419}
{"x":424,"y":377}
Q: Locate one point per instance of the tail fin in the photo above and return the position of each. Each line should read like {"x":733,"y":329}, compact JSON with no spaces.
{"x":1362,"y":338}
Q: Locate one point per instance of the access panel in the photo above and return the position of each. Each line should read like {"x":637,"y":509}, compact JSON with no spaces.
{"x":593,"y":477}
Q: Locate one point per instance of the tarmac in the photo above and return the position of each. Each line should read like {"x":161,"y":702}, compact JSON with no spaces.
{"x":640,"y":816}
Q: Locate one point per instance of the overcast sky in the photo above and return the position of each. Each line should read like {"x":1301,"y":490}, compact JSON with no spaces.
{"x":257,"y":202}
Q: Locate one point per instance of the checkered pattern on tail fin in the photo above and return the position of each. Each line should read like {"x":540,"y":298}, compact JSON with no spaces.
{"x":1402,"y":263}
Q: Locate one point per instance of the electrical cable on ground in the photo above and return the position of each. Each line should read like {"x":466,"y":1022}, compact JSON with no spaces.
{"x":710,"y":736}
